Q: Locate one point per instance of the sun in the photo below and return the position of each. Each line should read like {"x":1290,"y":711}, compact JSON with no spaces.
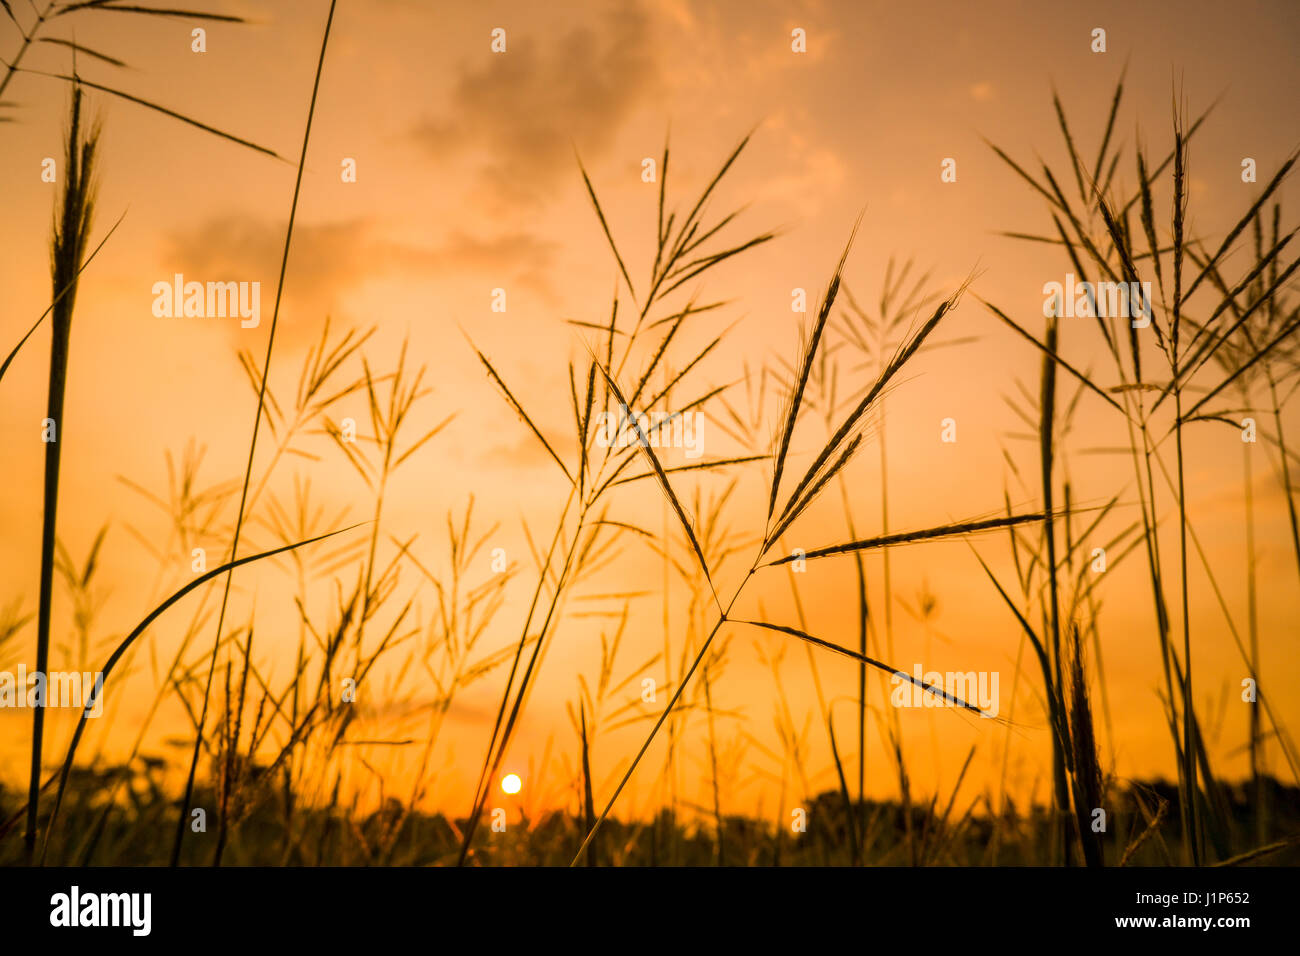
{"x":511,"y":783}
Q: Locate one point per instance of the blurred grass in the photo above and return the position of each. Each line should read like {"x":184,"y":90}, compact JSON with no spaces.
{"x":137,"y":827}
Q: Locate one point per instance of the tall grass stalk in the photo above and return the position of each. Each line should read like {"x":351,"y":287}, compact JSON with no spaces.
{"x":182,"y":821}
{"x":67,"y":252}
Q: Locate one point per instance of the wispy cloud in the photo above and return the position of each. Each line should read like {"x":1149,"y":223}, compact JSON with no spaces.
{"x":328,"y":260}
{"x":519,"y":114}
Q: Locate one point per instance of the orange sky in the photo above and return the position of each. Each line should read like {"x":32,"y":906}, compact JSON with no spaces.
{"x":467,"y":182}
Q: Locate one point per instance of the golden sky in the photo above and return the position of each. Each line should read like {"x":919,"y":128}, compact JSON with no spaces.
{"x":467,"y":182}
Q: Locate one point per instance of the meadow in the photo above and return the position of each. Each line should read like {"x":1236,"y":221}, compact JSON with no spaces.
{"x":294,"y":766}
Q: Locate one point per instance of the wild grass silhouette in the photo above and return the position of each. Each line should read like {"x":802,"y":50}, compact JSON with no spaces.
{"x":276,"y":759}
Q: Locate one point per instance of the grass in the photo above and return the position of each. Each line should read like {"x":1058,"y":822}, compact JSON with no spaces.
{"x":68,"y":246}
{"x":55,"y":15}
{"x":1097,"y":233}
{"x":290,"y":771}
{"x":183,"y":817}
{"x":332,"y":834}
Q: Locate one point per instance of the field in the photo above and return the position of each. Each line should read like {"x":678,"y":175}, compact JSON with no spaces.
{"x":783,"y":550}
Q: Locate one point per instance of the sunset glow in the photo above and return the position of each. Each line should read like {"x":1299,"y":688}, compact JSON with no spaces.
{"x":712,"y":411}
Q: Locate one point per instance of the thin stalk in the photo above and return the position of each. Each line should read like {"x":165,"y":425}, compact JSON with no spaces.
{"x":183,"y":819}
{"x":68,"y":248}
{"x":1286,"y":469}
{"x":1256,"y":749}
{"x":1047,"y":425}
{"x":713,"y":766}
{"x":1189,"y":761}
{"x":686,"y":679}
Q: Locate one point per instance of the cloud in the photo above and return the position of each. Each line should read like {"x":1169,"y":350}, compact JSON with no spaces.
{"x":814,"y":177}
{"x":521,"y":256}
{"x":240,"y":247}
{"x":523,"y":451}
{"x":523,"y":111}
{"x":328,"y":260}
